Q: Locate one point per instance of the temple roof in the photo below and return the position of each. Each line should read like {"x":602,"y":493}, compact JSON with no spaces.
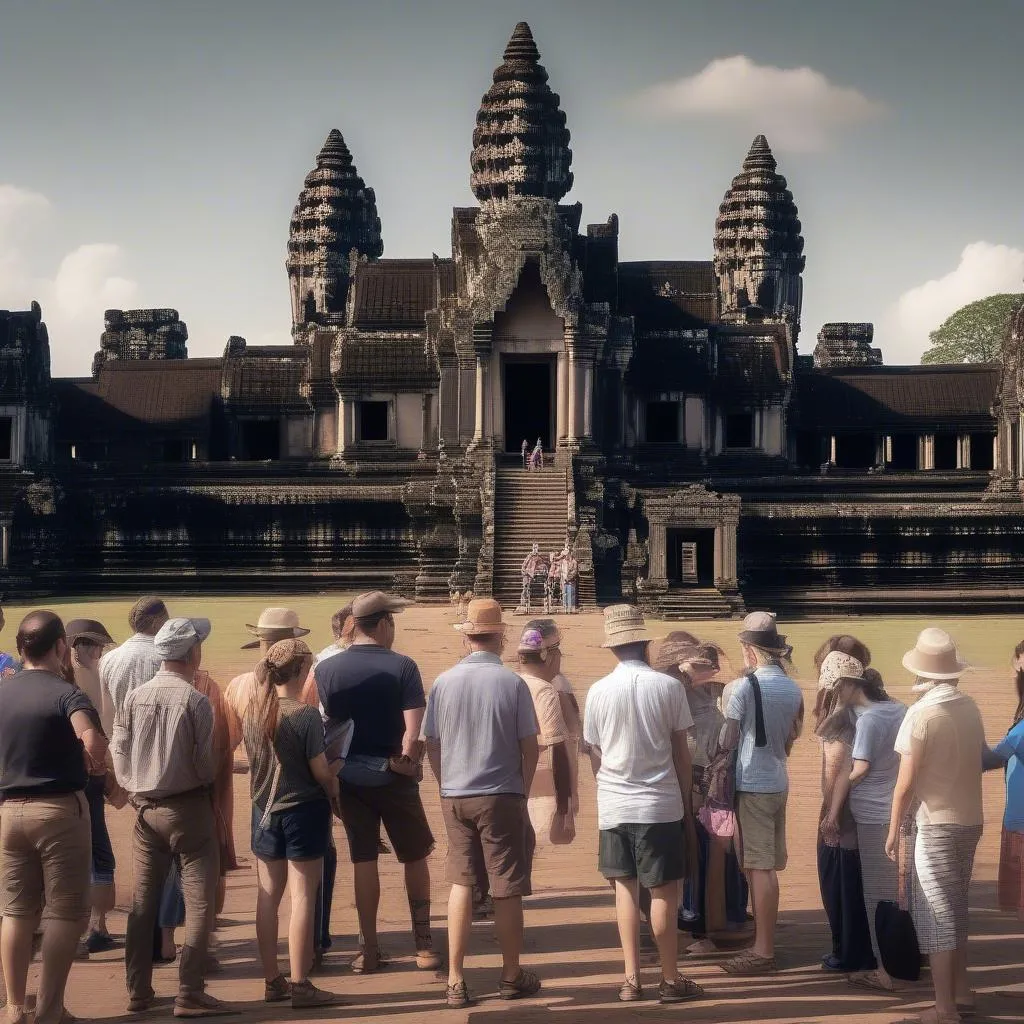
{"x":334,"y":214}
{"x":267,"y":376}
{"x":664,"y":294}
{"x":894,"y":395}
{"x":758,"y":216}
{"x":396,"y":293}
{"x":370,"y":364}
{"x":521,"y":143}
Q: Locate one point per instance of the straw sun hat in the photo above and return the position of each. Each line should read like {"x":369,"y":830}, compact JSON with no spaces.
{"x":483,"y":618}
{"x":624,"y":624}
{"x":935,"y":656}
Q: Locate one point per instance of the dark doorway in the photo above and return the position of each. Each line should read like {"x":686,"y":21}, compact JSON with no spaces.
{"x":528,"y":404}
{"x":261,"y":440}
{"x":690,"y":557}
{"x":904,"y":453}
{"x":945,"y":451}
{"x":373,"y":421}
{"x":855,"y":451}
{"x":982,"y":451}
{"x":6,"y":436}
{"x":739,"y":430}
{"x":662,"y":422}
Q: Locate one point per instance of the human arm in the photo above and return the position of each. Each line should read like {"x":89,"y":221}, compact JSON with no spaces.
{"x":205,"y":758}
{"x":412,"y":747}
{"x":1012,"y":745}
{"x":837,"y":783}
{"x":797,"y":729}
{"x":414,"y":705}
{"x":563,"y":777}
{"x":902,"y":796}
{"x":683,"y":763}
{"x":434,"y":757}
{"x":529,"y":752}
{"x":321,"y":770}
{"x":87,"y":729}
{"x":735,"y":710}
{"x":430,"y":734}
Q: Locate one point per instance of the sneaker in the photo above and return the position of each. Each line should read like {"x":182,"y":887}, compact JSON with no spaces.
{"x":98,"y":942}
{"x":140,"y":1004}
{"x":201,"y":1004}
{"x":306,"y":996}
{"x":277,"y":991}
{"x":525,"y":984}
{"x":682,"y":990}
{"x":457,"y":996}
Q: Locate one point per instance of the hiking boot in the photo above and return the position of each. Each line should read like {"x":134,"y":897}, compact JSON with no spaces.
{"x":277,"y":991}
{"x":201,"y":1004}
{"x":457,"y":996}
{"x":525,"y":984}
{"x":306,"y":996}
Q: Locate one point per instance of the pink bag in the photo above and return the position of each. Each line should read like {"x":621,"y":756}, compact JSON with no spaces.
{"x":718,"y":821}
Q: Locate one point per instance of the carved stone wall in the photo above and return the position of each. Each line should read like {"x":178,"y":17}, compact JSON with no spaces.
{"x":141,"y":334}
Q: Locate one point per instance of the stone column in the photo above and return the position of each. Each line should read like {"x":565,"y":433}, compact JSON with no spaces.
{"x":995,"y":452}
{"x":963,"y":451}
{"x":881,"y":448}
{"x":888,"y":448}
{"x":658,"y":560}
{"x":561,"y":397}
{"x":478,"y":427}
{"x":425,"y":422}
{"x":393,"y":419}
{"x":926,"y":451}
{"x":571,"y":404}
{"x":719,"y":572}
{"x":345,"y":418}
{"x":729,"y":556}
{"x":832,"y":450}
{"x":588,"y":399}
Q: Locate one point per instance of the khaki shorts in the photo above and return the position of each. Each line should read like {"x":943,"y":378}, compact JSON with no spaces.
{"x":493,"y":835}
{"x":46,"y":851}
{"x":762,"y":820}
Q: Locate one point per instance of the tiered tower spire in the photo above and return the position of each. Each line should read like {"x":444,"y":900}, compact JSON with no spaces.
{"x":521,"y":143}
{"x":758,"y":246}
{"x":335,"y":214}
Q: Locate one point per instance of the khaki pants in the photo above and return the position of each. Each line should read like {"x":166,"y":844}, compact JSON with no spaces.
{"x":183,"y":827}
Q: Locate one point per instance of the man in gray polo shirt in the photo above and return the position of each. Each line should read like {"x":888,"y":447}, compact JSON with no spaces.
{"x":481,"y":734}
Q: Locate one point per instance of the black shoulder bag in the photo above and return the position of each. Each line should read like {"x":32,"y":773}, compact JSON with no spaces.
{"x":760,"y":736}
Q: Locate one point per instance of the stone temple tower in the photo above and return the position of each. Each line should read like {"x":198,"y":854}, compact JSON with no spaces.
{"x":335,"y":214}
{"x":758,"y":246}
{"x":520,"y":143}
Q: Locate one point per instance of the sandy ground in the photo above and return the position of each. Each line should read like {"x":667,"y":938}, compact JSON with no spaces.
{"x":571,"y":938}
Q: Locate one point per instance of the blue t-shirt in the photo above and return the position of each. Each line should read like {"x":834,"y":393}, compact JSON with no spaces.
{"x":1012,"y":748}
{"x":763,"y":769}
{"x":8,"y":663}
{"x":877,"y":726}
{"x":478,"y":712}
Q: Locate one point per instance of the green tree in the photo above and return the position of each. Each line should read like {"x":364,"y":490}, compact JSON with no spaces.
{"x":974,"y":333}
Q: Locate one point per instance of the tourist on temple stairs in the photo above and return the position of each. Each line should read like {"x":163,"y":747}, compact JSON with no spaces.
{"x":764,"y":719}
{"x":1011,"y":850}
{"x":525,"y":449}
{"x":87,"y":640}
{"x":866,"y":790}
{"x":481,"y":734}
{"x":164,"y":755}
{"x":549,"y":802}
{"x":533,"y":565}
{"x":552,"y":581}
{"x":569,"y":570}
{"x":636,"y":723}
{"x":294,"y":791}
{"x":839,"y":864}
{"x":942,"y":748}
{"x":537,"y":458}
{"x":46,"y":723}
{"x":381,"y":692}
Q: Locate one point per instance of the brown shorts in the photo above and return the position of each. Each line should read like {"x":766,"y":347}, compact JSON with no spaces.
{"x":398,"y":805}
{"x":46,"y":850}
{"x":492,"y":832}
{"x":762,"y":820}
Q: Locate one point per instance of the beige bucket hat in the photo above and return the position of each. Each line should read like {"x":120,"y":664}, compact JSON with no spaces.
{"x":836,"y":666}
{"x":935,"y":656}
{"x":624,"y":624}
{"x":274,"y":624}
{"x":483,"y":617}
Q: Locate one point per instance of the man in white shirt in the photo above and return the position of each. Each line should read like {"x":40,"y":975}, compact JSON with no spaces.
{"x":635,"y":722}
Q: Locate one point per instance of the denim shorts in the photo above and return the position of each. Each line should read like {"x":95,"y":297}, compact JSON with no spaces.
{"x":297,"y":833}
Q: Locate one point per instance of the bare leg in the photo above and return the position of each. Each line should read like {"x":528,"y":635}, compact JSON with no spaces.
{"x":627,"y":916}
{"x":417,"y":888}
{"x":303,"y":878}
{"x":60,"y":942}
{"x":102,"y":899}
{"x":460,"y":919}
{"x":714,"y":889}
{"x":664,"y":902}
{"x":944,"y":979}
{"x":271,"y":879}
{"x":367,"y":884}
{"x":961,"y":982}
{"x":508,"y":926}
{"x":764,"y":885}
{"x":16,"y":953}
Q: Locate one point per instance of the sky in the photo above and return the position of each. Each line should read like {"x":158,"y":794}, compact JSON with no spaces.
{"x":151,"y":152}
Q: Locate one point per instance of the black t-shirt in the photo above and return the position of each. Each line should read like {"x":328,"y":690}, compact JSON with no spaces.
{"x":372,"y":686}
{"x":39,"y":751}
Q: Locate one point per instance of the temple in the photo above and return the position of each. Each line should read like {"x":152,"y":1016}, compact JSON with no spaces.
{"x":702,"y":457}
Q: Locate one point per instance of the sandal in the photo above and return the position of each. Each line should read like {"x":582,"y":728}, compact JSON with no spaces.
{"x":369,"y":960}
{"x":749,"y":964}
{"x":525,"y":983}
{"x":457,"y":996}
{"x":873,"y":982}
{"x":682,"y":990}
{"x":630,"y":991}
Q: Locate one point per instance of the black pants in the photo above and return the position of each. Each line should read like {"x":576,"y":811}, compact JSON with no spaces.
{"x":324,"y":899}
{"x":842,"y":894}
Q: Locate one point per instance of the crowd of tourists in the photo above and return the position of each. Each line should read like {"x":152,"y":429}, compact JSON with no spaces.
{"x":691,"y":775}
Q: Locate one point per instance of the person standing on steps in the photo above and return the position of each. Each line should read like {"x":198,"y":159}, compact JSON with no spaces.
{"x":526,"y":453}
{"x":569,"y":569}
{"x":485,"y":769}
{"x":381,"y":692}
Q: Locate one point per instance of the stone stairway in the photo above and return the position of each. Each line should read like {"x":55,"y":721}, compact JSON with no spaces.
{"x":682,"y":603}
{"x":529,"y":508}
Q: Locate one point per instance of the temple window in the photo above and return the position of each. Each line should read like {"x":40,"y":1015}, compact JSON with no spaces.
{"x":372,"y":421}
{"x":945,"y":451}
{"x":261,"y":439}
{"x":739,"y":430}
{"x":662,"y":423}
{"x":6,"y":438}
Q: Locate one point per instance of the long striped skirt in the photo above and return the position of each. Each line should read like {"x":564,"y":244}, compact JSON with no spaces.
{"x":943,"y":864}
{"x":1011,"y":872}
{"x":881,"y":876}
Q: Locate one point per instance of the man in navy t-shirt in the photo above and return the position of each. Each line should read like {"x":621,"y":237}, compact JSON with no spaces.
{"x":381,"y":692}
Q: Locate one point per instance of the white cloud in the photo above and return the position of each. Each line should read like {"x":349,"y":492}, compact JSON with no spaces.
{"x":74,"y":294}
{"x":984,"y":269}
{"x":797,"y":108}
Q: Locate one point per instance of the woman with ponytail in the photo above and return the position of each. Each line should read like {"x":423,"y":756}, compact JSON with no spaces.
{"x":294,"y":791}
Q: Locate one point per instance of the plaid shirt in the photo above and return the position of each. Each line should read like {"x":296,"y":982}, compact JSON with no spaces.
{"x":163,"y":739}
{"x":126,"y":667}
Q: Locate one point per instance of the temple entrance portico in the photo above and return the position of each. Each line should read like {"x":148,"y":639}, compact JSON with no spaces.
{"x":529,"y":400}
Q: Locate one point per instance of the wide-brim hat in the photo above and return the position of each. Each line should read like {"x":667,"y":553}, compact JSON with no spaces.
{"x":668,"y":652}
{"x":623,"y":625}
{"x":761,"y":630}
{"x":88,"y":629}
{"x":274,"y":624}
{"x":836,"y":667}
{"x":483,"y":618}
{"x":935,"y":656}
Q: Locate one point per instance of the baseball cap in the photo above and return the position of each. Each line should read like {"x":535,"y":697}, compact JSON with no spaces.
{"x":177,"y":637}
